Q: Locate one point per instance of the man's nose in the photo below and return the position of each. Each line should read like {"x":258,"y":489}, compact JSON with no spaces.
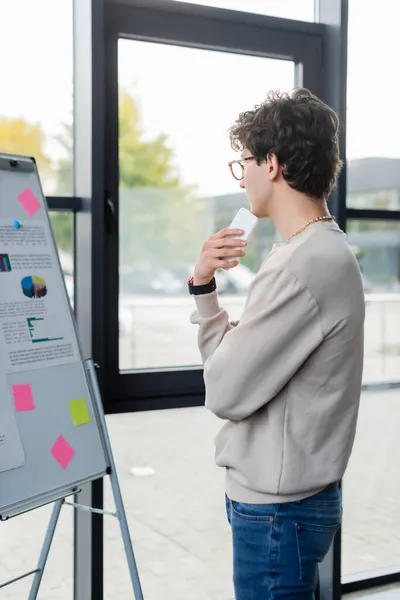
{"x":242,"y":184}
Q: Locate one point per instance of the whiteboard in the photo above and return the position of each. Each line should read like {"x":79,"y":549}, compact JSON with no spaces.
{"x":51,"y":441}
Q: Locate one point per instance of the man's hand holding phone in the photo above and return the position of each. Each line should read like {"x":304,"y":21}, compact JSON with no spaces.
{"x":220,"y":251}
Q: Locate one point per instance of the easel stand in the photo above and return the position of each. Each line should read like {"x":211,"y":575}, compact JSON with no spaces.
{"x":119,"y":513}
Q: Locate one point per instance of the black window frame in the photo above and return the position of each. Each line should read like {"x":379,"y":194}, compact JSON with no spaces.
{"x":196,"y":26}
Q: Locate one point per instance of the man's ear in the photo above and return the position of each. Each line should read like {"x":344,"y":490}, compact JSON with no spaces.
{"x":273,"y":166}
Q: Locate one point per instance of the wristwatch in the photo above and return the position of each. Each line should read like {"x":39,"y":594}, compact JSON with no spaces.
{"x":197,"y":290}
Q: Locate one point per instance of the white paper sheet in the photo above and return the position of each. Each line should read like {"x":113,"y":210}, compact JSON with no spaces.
{"x":36,"y":328}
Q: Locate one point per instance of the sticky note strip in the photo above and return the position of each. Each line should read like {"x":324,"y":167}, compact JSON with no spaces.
{"x":79,"y":412}
{"x":29,"y":201}
{"x":23,"y":397}
{"x":62,"y":452}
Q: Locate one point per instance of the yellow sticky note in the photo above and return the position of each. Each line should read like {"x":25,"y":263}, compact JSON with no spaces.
{"x":79,"y":412}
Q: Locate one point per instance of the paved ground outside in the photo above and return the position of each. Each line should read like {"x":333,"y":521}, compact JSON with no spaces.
{"x":176,"y":514}
{"x":157,"y":333}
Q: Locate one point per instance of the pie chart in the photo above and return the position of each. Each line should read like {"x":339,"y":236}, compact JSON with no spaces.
{"x":34,"y":287}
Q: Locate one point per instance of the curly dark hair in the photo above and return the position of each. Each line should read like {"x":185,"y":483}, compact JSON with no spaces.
{"x":301,"y":131}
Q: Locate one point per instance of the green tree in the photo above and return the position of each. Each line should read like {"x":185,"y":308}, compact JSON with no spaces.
{"x":18,"y":136}
{"x":63,"y":224}
{"x":142,"y":163}
{"x":160,"y":219}
{"x":64,"y":169}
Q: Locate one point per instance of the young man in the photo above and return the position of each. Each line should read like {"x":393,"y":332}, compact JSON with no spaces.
{"x":287,"y":377}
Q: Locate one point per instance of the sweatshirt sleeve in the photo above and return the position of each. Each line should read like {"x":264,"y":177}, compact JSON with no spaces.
{"x":214,"y":323}
{"x":246,"y":366}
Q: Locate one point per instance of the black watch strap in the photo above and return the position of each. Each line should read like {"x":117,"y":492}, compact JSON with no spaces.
{"x":197,"y":290}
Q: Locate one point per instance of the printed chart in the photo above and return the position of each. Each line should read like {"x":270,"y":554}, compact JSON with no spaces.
{"x":34,"y":287}
{"x":5,"y":264}
{"x":39,"y":330}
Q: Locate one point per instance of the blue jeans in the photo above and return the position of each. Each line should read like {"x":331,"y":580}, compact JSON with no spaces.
{"x":277,"y":547}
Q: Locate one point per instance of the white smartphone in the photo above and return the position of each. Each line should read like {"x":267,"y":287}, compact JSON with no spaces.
{"x":245,"y":220}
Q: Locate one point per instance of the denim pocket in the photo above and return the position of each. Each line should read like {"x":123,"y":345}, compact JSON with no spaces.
{"x":254,"y":512}
{"x":313,"y":543}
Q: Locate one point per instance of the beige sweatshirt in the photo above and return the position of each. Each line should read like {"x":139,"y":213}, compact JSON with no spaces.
{"x":287,"y":377}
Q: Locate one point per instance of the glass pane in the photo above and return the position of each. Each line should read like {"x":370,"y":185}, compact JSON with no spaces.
{"x":371,"y":489}
{"x":176,"y":189}
{"x":377,"y":247}
{"x":372,"y":131}
{"x":63,"y":230}
{"x":175,"y":506}
{"x":36,"y":87}
{"x":301,"y":10}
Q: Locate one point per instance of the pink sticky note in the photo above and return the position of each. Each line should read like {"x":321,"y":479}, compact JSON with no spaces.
{"x":29,"y":201}
{"x":62,"y":452}
{"x":23,"y":397}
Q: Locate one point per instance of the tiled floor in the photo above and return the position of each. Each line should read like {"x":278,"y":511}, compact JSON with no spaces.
{"x":175,"y":509}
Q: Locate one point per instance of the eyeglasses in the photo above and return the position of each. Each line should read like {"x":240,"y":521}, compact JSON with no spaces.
{"x":237,"y":167}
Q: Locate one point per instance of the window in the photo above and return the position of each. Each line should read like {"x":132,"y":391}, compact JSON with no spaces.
{"x":36,"y":92}
{"x":383,"y":199}
{"x":376,"y":245}
{"x":373,"y":130}
{"x":63,"y":230}
{"x":371,"y":490}
{"x":301,"y":10}
{"x":176,"y":189}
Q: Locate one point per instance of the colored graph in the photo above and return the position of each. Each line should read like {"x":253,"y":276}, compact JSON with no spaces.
{"x":39,"y":330}
{"x":5,"y":265}
{"x":34,"y":287}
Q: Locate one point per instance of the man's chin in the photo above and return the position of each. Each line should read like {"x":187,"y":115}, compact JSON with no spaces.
{"x":257,"y":212}
{"x":258,"y":207}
